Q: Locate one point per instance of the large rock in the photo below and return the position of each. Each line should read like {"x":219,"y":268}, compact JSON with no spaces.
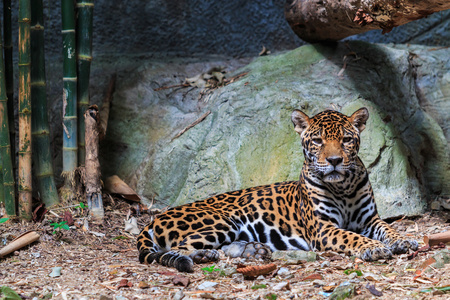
{"x":248,"y":138}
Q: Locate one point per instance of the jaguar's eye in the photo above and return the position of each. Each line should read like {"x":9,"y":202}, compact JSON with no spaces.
{"x":347,"y":139}
{"x":317,"y":141}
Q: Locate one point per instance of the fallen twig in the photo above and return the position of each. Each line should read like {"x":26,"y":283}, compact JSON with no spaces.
{"x":172,"y":86}
{"x":21,"y":241}
{"x":192,"y":125}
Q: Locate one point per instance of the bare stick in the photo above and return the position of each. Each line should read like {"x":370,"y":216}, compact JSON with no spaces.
{"x":23,"y":240}
{"x":435,"y":239}
{"x":171,"y":86}
{"x":192,"y":125}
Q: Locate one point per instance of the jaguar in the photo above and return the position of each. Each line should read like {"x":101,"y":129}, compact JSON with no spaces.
{"x":330,"y":208}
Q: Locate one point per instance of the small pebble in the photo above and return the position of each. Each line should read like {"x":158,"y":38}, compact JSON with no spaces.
{"x":56,"y":272}
{"x":207,"y":285}
{"x":283,"y":271}
{"x":178,"y":295}
{"x":319,"y":282}
{"x":280,"y":286}
{"x":238,"y":278}
{"x":325,"y":264}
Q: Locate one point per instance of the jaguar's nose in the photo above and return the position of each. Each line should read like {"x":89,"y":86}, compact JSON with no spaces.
{"x":334,"y":160}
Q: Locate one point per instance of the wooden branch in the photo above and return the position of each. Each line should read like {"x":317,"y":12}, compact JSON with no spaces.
{"x":315,"y":21}
{"x":435,"y":239}
{"x":21,"y":241}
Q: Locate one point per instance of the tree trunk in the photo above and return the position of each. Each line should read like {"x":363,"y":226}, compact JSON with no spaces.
{"x":315,"y":21}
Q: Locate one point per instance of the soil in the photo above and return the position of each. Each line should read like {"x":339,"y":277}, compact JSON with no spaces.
{"x":99,"y":260}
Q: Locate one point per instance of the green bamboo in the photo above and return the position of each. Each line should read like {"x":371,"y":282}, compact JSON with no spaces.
{"x":8,"y":50}
{"x":70,"y":87}
{"x":85,"y":13}
{"x":42,"y":157}
{"x":7,"y":171}
{"x":2,"y":190}
{"x":24,"y":174}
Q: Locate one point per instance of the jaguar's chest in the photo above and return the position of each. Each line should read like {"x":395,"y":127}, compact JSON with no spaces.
{"x":345,"y":205}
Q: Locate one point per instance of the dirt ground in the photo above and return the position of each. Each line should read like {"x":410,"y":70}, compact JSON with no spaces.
{"x":100,"y":261}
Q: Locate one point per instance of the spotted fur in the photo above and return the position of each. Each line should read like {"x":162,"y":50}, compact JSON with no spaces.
{"x":331,"y":207}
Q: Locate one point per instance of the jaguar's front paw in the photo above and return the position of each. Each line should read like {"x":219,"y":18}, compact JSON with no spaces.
{"x":204,"y":256}
{"x":402,"y":246}
{"x":375,"y":252}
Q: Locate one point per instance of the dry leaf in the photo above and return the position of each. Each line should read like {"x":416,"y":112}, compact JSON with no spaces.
{"x":329,"y":288}
{"x":180,"y":280}
{"x":373,"y":290}
{"x":131,"y":226}
{"x":115,"y":185}
{"x":39,"y":213}
{"x":124,"y":283}
{"x":313,"y":277}
{"x":253,"y":271}
{"x":68,"y":218}
{"x":264,"y":51}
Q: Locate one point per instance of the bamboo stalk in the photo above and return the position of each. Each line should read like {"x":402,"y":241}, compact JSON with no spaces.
{"x":70,"y":147}
{"x":42,"y":157}
{"x":9,"y":75}
{"x":24,"y":177}
{"x":7,"y":173}
{"x":2,"y":190}
{"x":106,"y":105}
{"x":85,"y":12}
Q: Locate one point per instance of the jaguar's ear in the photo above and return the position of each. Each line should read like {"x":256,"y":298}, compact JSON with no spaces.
{"x":300,"y":120}
{"x":359,"y":118}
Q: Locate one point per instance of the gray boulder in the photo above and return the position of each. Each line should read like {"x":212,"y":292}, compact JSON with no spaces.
{"x":248,"y":138}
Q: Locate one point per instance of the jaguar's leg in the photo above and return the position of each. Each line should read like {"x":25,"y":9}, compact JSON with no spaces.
{"x":336,"y":239}
{"x":379,"y":230}
{"x":247,"y":250}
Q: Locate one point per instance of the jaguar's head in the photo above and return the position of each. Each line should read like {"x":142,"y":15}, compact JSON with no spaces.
{"x":330,"y":141}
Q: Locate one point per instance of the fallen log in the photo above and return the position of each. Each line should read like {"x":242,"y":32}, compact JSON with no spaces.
{"x":437,"y":238}
{"x":316,"y":21}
